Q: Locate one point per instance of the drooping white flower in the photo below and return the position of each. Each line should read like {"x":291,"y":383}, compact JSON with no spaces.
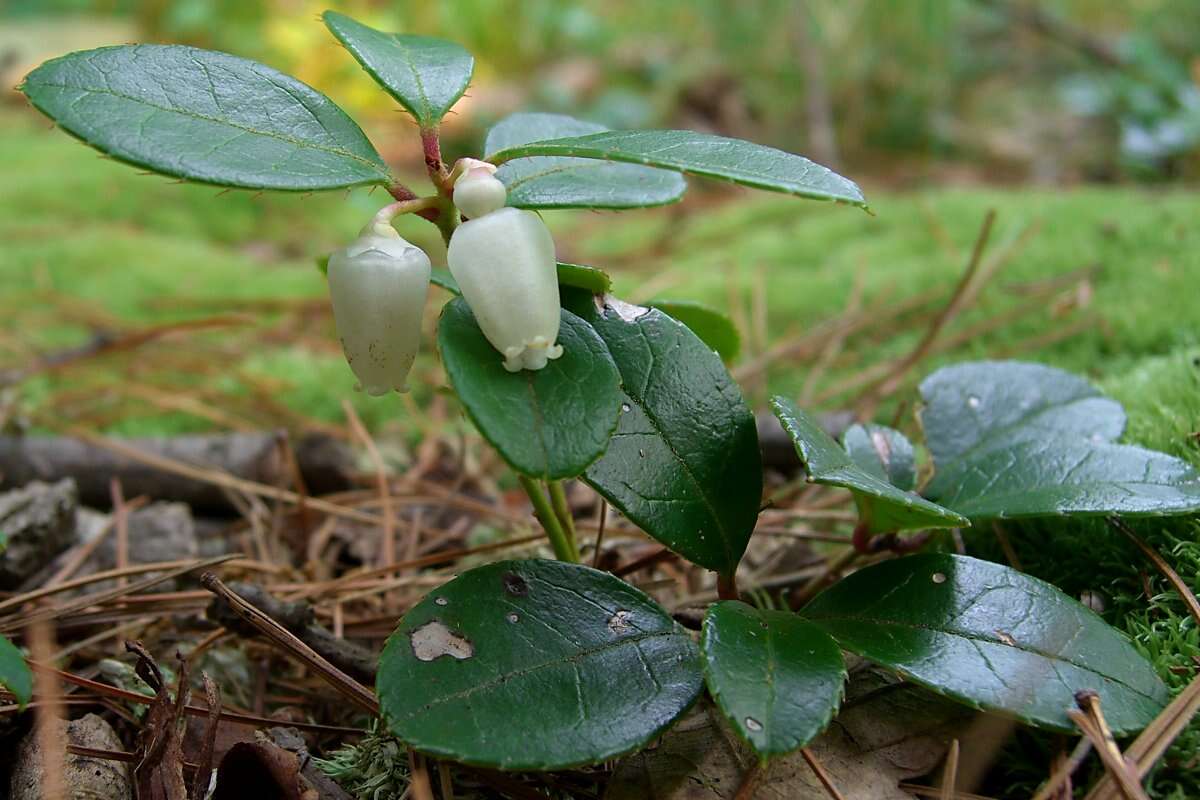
{"x":503,"y":260}
{"x":477,"y":192}
{"x":378,"y":284}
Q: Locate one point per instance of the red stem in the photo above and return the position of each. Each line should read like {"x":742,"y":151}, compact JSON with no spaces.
{"x":432,"y":145}
{"x":727,"y":587}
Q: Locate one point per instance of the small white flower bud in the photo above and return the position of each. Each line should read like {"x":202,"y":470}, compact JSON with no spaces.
{"x":378,"y":284}
{"x":504,"y":263}
{"x":478,"y":192}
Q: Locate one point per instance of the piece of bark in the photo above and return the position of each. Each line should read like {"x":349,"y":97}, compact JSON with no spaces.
{"x":326,"y":464}
{"x":355,"y":660}
{"x":886,"y":732}
{"x":84,"y":778}
{"x":38,"y":523}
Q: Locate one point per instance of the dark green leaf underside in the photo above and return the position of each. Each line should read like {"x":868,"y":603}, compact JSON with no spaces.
{"x":550,"y":423}
{"x":548,"y":666}
{"x":684,"y":463}
{"x":205,"y":116}
{"x":776,"y":677}
{"x":14,"y":672}
{"x":991,"y":637}
{"x":1011,"y":439}
{"x":701,"y":154}
{"x":714,"y":328}
{"x":427,"y":76}
{"x":884,"y":507}
{"x":557,"y":182}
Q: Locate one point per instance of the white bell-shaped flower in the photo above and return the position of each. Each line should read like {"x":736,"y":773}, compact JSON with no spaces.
{"x":378,"y":284}
{"x":477,"y":192}
{"x":503,"y":260}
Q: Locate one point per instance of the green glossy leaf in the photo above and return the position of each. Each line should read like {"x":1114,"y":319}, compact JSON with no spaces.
{"x":426,"y":75}
{"x":777,"y":678}
{"x":884,"y":452}
{"x":714,"y":328}
{"x":14,"y":672}
{"x":583,"y":277}
{"x":1011,"y":439}
{"x":535,"y":665}
{"x":558,"y":182}
{"x":884,"y":508}
{"x":205,"y":116}
{"x":700,"y":154}
{"x":550,"y":423}
{"x":990,"y":637}
{"x":684,"y":464}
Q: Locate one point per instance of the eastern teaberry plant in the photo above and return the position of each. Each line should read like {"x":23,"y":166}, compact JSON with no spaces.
{"x":547,"y":664}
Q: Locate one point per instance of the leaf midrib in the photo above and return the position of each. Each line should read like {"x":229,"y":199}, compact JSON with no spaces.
{"x":583,"y":147}
{"x":406,"y":54}
{"x":687,"y":470}
{"x":499,"y":679}
{"x":301,"y":143}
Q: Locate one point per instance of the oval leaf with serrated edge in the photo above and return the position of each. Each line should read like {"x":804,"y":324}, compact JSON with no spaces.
{"x":777,"y":678}
{"x":548,"y":423}
{"x":426,"y":75}
{"x":884,"y":508}
{"x":714,"y":328}
{"x":884,"y":452}
{"x":556,"y":182}
{"x":535,"y":665}
{"x":205,"y":116}
{"x":972,"y":407}
{"x":990,"y":637}
{"x":684,"y":463}
{"x":701,"y":154}
{"x":1011,"y":439}
{"x":14,"y":672}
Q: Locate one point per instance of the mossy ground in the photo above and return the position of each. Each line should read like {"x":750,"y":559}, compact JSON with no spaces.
{"x":87,"y":241}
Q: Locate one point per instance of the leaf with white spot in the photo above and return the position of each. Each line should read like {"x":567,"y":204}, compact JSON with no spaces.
{"x":990,"y":637}
{"x":684,"y":463}
{"x":535,"y":665}
{"x":1012,"y":439}
{"x":777,"y":678}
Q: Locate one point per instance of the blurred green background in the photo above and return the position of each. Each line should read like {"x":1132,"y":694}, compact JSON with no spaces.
{"x":1078,"y":121}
